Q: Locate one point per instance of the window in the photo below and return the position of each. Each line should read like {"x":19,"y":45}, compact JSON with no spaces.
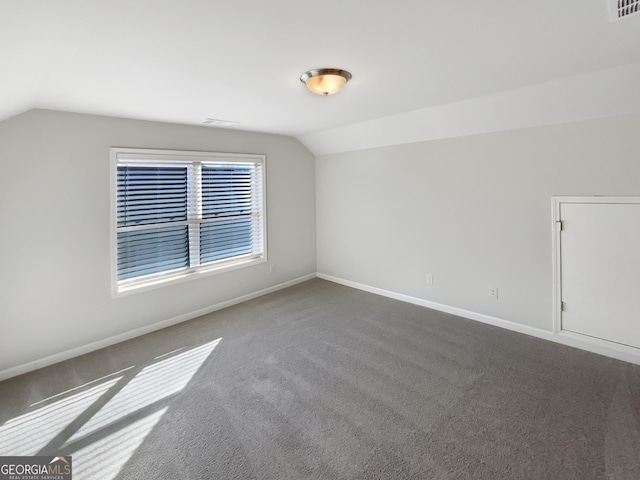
{"x":179,"y":214}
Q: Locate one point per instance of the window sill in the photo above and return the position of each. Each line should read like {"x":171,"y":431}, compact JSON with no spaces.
{"x":121,"y":290}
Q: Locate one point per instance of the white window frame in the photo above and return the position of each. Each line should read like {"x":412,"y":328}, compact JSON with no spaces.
{"x":167,"y":156}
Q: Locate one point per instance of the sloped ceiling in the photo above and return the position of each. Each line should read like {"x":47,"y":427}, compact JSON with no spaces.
{"x":185,"y":61}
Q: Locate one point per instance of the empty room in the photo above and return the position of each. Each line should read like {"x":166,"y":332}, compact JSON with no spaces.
{"x":348,"y":240}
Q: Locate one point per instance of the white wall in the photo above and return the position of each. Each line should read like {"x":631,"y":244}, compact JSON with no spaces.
{"x":473,"y":211}
{"x":55,"y":291}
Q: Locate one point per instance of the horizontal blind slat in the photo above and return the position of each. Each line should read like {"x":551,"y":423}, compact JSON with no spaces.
{"x":153,"y":250}
{"x":224,"y":239}
{"x":226,"y":191}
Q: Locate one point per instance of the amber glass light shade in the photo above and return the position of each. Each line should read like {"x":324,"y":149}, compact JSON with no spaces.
{"x":325,"y":81}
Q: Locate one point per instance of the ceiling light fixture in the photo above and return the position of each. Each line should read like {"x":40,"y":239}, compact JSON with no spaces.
{"x":325,"y":81}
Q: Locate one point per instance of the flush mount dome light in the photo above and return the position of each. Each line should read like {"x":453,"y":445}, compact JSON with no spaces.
{"x":325,"y":81}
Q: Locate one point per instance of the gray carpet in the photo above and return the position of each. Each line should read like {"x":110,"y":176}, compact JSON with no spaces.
{"x":323,"y":381}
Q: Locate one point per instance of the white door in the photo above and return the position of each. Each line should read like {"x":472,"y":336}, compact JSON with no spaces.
{"x":600,"y":270}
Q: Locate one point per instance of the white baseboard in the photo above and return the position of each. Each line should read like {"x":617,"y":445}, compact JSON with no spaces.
{"x":107,"y":342}
{"x":594,"y":345}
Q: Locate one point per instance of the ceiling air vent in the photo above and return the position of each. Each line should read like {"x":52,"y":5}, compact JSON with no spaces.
{"x":624,"y":8}
{"x":213,"y":122}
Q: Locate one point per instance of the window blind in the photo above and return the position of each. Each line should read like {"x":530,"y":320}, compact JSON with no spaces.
{"x":151,"y":200}
{"x":226,"y":211}
{"x":178,"y":214}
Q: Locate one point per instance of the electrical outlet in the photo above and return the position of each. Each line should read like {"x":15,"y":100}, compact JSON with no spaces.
{"x":494,"y":292}
{"x":272,"y":268}
{"x":428,"y":278}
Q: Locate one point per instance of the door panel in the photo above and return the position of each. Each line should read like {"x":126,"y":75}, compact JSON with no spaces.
{"x":600,"y":265}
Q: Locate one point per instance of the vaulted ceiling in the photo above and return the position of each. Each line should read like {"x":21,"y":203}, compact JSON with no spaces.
{"x":184,"y":61}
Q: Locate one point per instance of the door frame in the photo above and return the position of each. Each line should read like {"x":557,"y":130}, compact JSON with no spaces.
{"x":556,"y":203}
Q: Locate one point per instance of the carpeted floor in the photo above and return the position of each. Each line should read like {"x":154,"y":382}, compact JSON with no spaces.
{"x":323,"y":381}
